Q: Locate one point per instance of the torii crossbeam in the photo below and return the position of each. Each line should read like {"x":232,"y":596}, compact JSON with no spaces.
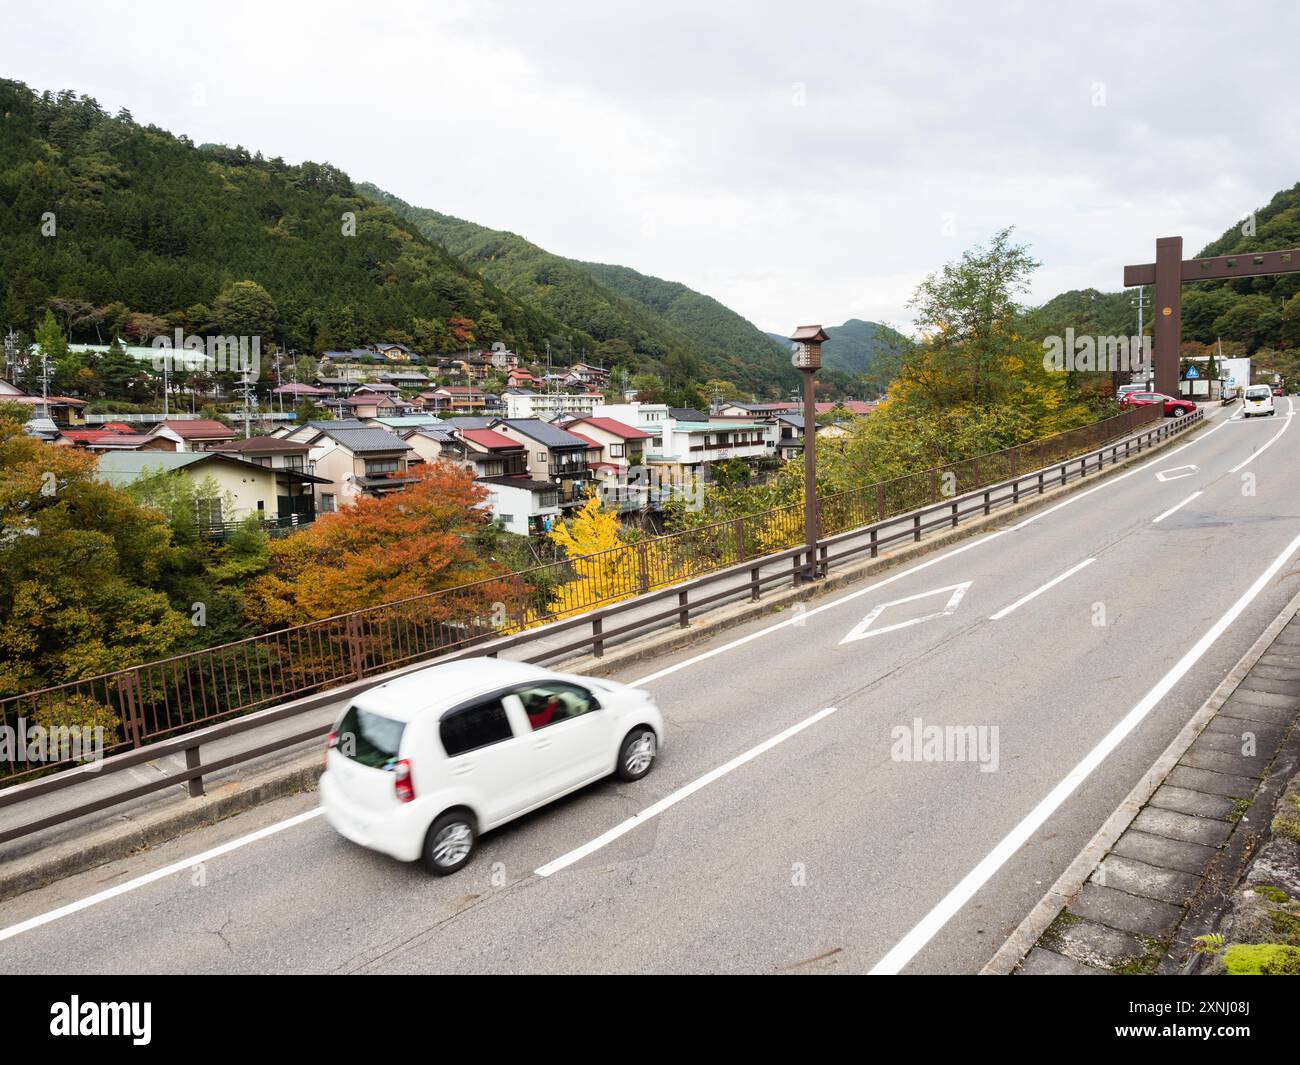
{"x":1171,"y":271}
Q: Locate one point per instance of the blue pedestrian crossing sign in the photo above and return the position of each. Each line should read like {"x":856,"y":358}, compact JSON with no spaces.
{"x":1192,"y":373}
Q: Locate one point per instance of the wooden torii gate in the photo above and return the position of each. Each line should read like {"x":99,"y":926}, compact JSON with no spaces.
{"x":1171,"y":271}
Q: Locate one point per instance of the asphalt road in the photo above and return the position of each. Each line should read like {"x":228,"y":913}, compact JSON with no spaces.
{"x":779,"y":834}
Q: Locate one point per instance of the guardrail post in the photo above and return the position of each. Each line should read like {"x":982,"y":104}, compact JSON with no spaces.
{"x":875,"y":547}
{"x":195,"y":784}
{"x":823,"y":563}
{"x":683,"y":610}
{"x":988,"y":504}
{"x":597,"y":644}
{"x":754,"y":589}
{"x":796,"y":570}
{"x":954,"y":515}
{"x":916,"y":531}
{"x":1042,"y":483}
{"x":1015,"y":491}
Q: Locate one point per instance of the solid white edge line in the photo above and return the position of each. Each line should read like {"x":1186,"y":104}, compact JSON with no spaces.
{"x":1039,"y":591}
{"x":605,"y":838}
{"x":157,"y":874}
{"x":911,"y":944}
{"x":1176,"y":507}
{"x":1286,"y":424}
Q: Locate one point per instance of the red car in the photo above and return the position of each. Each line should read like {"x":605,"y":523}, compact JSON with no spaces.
{"x":1174,"y":407}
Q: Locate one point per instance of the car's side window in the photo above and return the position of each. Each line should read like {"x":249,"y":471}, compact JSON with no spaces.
{"x":551,"y":702}
{"x":469,"y":728}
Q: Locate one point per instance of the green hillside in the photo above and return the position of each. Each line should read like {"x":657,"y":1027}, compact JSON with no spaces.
{"x":1258,"y":313}
{"x":685,"y":336}
{"x":858,"y":351}
{"x":146,"y":229}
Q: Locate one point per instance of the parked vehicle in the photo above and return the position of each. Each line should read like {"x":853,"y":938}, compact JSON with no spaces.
{"x":1278,"y":390}
{"x":1172,"y":404}
{"x":421,"y":766}
{"x":1125,"y":390}
{"x":1258,"y":399}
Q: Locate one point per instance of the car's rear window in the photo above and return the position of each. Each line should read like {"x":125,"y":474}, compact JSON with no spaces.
{"x":369,"y":738}
{"x":1261,"y":392}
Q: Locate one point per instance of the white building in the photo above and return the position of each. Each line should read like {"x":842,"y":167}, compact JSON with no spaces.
{"x":521,"y":403}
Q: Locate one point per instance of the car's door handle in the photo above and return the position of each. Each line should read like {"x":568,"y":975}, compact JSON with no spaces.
{"x":461,"y":770}
{"x":541,"y":745}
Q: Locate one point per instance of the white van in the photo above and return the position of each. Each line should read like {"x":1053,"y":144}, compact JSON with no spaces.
{"x":421,"y":766}
{"x":1258,"y":399}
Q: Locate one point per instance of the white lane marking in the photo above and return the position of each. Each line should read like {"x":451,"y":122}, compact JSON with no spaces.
{"x":908,"y":947}
{"x":666,"y":671}
{"x":862,"y":630}
{"x":157,"y":874}
{"x":578,"y":853}
{"x":1116,"y":479}
{"x":1286,"y":424}
{"x":1163,"y":475}
{"x":1039,"y":591}
{"x":1176,"y":507}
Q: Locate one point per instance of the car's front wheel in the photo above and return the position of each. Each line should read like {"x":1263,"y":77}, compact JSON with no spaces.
{"x":449,"y":844}
{"x":637,"y":754}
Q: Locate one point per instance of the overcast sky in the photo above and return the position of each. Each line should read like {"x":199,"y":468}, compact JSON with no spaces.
{"x":800,"y":162}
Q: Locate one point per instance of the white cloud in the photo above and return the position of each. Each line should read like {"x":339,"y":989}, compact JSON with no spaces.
{"x":795,"y":161}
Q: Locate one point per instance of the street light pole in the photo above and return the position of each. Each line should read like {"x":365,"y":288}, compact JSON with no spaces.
{"x":807,"y":358}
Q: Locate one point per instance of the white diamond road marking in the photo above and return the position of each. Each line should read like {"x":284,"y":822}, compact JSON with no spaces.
{"x":1164,"y":475}
{"x":863,"y":628}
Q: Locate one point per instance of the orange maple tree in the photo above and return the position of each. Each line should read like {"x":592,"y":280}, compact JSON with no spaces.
{"x":378,"y":551}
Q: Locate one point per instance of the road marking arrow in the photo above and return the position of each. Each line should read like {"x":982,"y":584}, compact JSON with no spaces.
{"x":1164,"y":475}
{"x":863,"y":628}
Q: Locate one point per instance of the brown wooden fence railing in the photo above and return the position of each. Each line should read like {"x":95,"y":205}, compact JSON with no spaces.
{"x":157,"y":700}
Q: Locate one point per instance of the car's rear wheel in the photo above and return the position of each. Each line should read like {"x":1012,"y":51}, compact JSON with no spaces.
{"x":637,"y":754}
{"x":449,"y":843}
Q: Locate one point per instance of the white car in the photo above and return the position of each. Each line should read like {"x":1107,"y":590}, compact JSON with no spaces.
{"x":421,"y":766}
{"x":1258,"y":399}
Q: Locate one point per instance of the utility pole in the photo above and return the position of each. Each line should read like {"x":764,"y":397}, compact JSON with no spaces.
{"x":1140,"y":303}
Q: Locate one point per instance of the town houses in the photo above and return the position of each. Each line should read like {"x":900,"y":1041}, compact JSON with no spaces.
{"x":538,"y":439}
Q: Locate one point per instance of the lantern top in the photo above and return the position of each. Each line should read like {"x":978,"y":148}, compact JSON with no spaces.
{"x":809,"y":334}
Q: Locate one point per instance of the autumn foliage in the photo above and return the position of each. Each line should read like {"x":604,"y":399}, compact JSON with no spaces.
{"x":377,"y":551}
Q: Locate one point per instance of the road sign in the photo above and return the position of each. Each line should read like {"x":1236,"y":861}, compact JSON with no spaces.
{"x":1192,"y":373}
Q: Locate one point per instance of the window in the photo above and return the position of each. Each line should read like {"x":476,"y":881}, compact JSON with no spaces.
{"x":326,"y":504}
{"x":378,"y":467}
{"x":261,"y":505}
{"x":616,"y":451}
{"x":263,"y":460}
{"x":368,"y":738}
{"x":208,"y":510}
{"x":555,"y":701}
{"x":473,"y":727}
{"x":541,"y":458}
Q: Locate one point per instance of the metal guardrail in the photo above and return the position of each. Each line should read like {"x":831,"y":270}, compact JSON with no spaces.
{"x":747,"y":580}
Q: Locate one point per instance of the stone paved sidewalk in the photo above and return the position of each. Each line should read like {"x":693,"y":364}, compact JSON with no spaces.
{"x":1171,"y":871}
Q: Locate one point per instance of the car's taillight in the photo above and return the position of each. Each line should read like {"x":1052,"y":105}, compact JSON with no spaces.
{"x":331,"y":741}
{"x":402,"y":781}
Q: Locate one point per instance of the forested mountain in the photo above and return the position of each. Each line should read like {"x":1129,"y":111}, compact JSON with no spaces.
{"x":858,"y":349}
{"x":126,"y":228}
{"x":1261,"y":313}
{"x":633,"y":316}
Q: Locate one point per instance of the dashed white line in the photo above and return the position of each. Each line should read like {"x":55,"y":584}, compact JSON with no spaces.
{"x":605,"y":838}
{"x":1176,"y":507}
{"x":1039,"y":591}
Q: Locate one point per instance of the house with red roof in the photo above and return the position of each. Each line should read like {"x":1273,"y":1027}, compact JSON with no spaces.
{"x":196,"y":434}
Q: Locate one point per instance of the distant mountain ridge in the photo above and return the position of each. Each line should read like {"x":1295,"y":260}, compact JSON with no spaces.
{"x":690,"y":336}
{"x":856,"y":347}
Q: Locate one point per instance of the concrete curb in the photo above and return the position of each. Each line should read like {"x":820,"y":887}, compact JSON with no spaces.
{"x":124,"y":837}
{"x":1031,"y":929}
